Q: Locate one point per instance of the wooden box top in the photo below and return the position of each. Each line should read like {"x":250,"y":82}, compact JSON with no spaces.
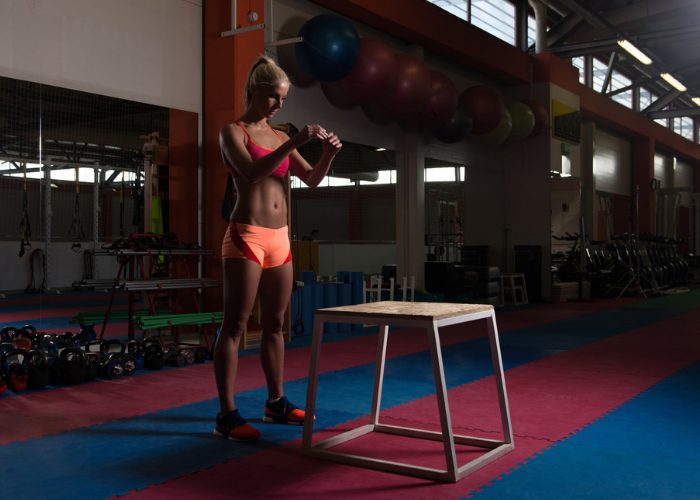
{"x":407,"y":310}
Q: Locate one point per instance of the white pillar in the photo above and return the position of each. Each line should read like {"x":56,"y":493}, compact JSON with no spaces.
{"x":410,"y":212}
{"x":541,"y":23}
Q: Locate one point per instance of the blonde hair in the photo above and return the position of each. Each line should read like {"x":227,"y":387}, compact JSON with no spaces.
{"x":263,"y":72}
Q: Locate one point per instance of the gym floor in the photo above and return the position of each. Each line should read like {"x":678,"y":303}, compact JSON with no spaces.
{"x":603,"y":399}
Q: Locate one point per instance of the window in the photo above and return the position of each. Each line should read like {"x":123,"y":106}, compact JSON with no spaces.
{"x":578,"y":63}
{"x":531,"y":31}
{"x":445,"y":174}
{"x":496,"y":17}
{"x":684,"y":127}
{"x":600,"y":69}
{"x":455,"y":7}
{"x":646,"y":97}
{"x":619,"y":81}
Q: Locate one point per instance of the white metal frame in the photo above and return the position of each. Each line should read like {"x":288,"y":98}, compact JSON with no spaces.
{"x":403,"y":314}
{"x":515,"y":284}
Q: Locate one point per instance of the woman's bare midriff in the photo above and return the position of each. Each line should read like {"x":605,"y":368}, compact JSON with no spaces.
{"x":262,"y":203}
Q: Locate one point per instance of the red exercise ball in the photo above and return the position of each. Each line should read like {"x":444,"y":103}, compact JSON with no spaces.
{"x":374,"y":72}
{"x":442,"y":101}
{"x":541,"y":115}
{"x":408,"y":95}
{"x":485,"y":105}
{"x":376,"y":113}
{"x":336,"y":94}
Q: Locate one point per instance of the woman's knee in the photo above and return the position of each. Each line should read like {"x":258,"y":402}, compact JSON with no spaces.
{"x":233,"y":329}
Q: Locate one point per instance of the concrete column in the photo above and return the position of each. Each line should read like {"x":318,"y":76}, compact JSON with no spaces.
{"x":586,"y":175}
{"x":643,"y":172}
{"x":410,"y":213}
{"x":541,"y":24}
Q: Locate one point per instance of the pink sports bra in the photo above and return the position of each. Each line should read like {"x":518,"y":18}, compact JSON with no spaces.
{"x":257,"y":152}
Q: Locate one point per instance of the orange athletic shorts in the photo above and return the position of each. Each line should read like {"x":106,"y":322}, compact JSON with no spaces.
{"x":265,"y":246}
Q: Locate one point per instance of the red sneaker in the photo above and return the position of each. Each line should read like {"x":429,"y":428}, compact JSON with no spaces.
{"x":233,"y":426}
{"x":283,"y":412}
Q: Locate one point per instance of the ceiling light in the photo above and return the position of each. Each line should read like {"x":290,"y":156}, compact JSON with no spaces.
{"x":696,"y":100}
{"x":632,"y":49}
{"x":673,"y":82}
{"x":380,"y":149}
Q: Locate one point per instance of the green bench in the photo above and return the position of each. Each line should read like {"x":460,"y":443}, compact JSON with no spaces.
{"x":171,"y":321}
{"x":93,"y":318}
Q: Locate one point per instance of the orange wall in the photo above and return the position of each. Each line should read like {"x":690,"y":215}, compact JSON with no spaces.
{"x":182,"y":174}
{"x":226,"y":64}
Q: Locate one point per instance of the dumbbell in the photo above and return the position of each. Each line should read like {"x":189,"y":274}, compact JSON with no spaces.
{"x":153,"y":355}
{"x":14,"y":365}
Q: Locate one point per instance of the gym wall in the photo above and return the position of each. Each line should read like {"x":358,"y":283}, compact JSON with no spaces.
{"x":143,"y":51}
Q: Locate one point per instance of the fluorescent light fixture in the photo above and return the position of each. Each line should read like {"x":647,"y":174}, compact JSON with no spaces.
{"x":673,"y":82}
{"x":632,"y":49}
{"x":696,"y":100}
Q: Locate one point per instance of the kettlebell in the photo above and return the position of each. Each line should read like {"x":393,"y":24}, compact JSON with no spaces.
{"x":153,"y":355}
{"x":201,"y":354}
{"x":134,"y":349}
{"x":111,"y":361}
{"x":73,"y":365}
{"x":38,"y":369}
{"x":14,"y":365}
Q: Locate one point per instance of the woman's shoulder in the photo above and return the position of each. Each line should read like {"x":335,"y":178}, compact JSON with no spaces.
{"x":232,"y":130}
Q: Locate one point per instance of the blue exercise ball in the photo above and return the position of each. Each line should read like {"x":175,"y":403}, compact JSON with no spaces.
{"x":329,"y":49}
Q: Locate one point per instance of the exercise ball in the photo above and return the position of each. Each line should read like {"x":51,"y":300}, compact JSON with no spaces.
{"x":457,"y":128}
{"x":485,"y":105}
{"x":336,"y":95}
{"x":286,"y":57}
{"x":376,"y":113}
{"x":499,"y":134}
{"x":374,"y":72}
{"x":441,"y":103}
{"x":407,"y":97}
{"x":329,"y":49}
{"x":523,"y":121}
{"x":541,"y":115}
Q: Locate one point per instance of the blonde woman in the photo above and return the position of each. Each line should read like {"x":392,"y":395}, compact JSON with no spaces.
{"x":256,"y":251}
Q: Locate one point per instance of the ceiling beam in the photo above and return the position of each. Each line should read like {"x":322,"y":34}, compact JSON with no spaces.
{"x":562,"y":28}
{"x":662,"y":101}
{"x":608,"y":74}
{"x":674,"y":113}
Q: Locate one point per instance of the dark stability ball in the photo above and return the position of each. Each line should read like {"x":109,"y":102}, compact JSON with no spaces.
{"x":485,"y":105}
{"x":441,"y":102}
{"x":329,"y":49}
{"x":374,"y":72}
{"x":457,"y":128}
{"x":541,"y":115}
{"x":407,"y":97}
